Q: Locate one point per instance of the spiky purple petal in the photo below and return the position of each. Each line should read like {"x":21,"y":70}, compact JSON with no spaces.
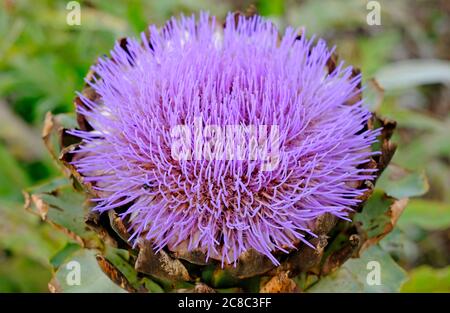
{"x":237,"y":75}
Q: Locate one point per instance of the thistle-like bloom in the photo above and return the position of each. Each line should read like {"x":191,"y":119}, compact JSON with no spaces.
{"x":239,"y":74}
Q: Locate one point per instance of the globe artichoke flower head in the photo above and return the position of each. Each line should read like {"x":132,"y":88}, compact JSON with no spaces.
{"x":224,"y":139}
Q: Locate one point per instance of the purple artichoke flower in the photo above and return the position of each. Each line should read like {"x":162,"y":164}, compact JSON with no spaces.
{"x":244,"y":75}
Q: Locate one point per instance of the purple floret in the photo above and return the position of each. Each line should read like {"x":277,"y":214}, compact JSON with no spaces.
{"x":242,"y":74}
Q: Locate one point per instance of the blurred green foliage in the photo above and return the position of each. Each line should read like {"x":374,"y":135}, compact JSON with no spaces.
{"x":43,"y":61}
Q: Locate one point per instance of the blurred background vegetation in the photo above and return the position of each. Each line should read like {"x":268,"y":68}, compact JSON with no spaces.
{"x":43,"y":61}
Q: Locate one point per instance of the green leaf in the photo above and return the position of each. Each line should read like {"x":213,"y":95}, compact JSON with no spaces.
{"x":62,"y":255}
{"x":400,"y":183}
{"x":430,"y":215}
{"x":61,"y":206}
{"x":52,"y":131}
{"x":374,"y":215}
{"x":353,"y":275}
{"x":81,"y":273}
{"x":379,"y":216}
{"x":66,"y":209}
{"x":428,"y":279}
{"x":119,"y":258}
{"x":48,"y":186}
{"x":151,"y":286}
